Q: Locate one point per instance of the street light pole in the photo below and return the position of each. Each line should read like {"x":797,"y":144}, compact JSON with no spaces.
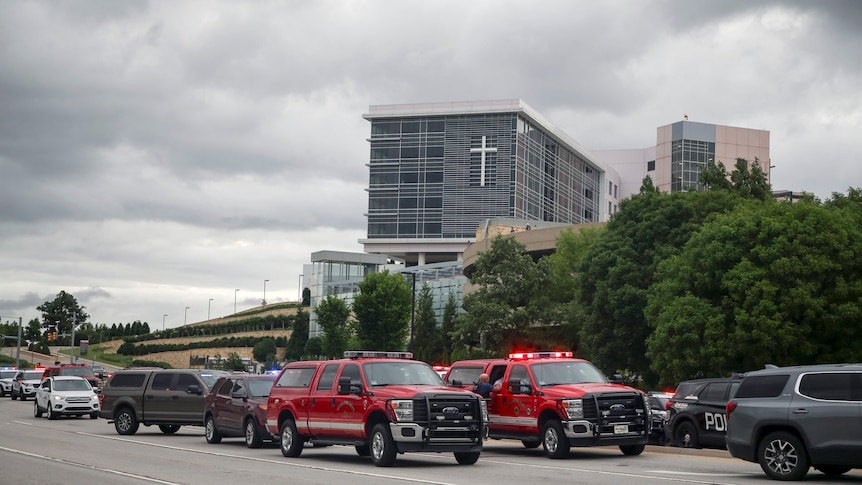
{"x":72,"y":342}
{"x":163,"y":321}
{"x":185,"y":317}
{"x":18,"y":352}
{"x":299,"y":290}
{"x":234,"y":300}
{"x":208,"y":308}
{"x":264,"y":292}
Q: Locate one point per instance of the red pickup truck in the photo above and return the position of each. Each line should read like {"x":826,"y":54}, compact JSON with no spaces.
{"x":553,"y":400}
{"x":382,"y":403}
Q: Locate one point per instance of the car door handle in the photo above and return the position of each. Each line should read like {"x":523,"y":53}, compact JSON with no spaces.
{"x":800,"y":411}
{"x":150,"y":396}
{"x":175,"y":397}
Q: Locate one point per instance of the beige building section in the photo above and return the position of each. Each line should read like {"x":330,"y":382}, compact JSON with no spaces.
{"x":730,"y":143}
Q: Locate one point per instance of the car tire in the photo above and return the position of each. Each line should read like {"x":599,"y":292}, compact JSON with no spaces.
{"x":685,"y":435}
{"x":23,"y":397}
{"x":14,"y":396}
{"x":211,"y":432}
{"x":290,"y":441}
{"x":125,"y":422}
{"x":782,"y":456}
{"x":37,"y":411}
{"x":833,"y":470}
{"x":531,"y":444}
{"x":382,"y":445}
{"x":51,"y":414}
{"x":466,"y":457}
{"x":169,"y":428}
{"x":632,"y":450}
{"x":554,"y":439}
{"x":94,"y":415}
{"x":252,"y":435}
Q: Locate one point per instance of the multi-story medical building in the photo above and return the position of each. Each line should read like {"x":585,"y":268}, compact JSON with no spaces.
{"x":437,"y":170}
{"x":682,"y":151}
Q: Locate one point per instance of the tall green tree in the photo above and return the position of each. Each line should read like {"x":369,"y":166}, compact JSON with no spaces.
{"x":333,"y":317}
{"x":447,"y":326}
{"x":33,"y":332}
{"x":382,"y":311}
{"x":264,"y":350}
{"x":427,"y":346}
{"x":616,"y":273}
{"x":504,"y":311}
{"x":775,"y":283}
{"x":295,"y":347}
{"x":62,"y":312}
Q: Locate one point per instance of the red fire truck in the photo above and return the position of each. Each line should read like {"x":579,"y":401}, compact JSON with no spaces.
{"x":382,"y":403}
{"x":557,"y":401}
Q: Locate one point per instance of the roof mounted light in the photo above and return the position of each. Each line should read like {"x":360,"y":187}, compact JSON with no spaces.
{"x":366,"y":354}
{"x":540,"y":355}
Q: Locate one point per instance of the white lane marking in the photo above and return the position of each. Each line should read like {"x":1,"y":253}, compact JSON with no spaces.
{"x":264,"y":460}
{"x":23,"y":422}
{"x":602,"y":472}
{"x":91,"y":467}
{"x":699,"y":474}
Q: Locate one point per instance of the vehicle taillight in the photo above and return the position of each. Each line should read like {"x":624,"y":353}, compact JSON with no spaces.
{"x":667,"y":405}
{"x":729,"y":409}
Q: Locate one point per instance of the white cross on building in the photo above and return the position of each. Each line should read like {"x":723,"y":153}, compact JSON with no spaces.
{"x":483,"y":150}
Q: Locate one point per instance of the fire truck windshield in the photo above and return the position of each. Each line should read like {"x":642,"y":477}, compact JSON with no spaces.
{"x":551,"y":373}
{"x":379,"y":374}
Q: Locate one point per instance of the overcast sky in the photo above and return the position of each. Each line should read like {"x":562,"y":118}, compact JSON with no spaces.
{"x":156,"y":154}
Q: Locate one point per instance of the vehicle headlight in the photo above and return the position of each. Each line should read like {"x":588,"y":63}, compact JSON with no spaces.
{"x":574,"y":408}
{"x":95,"y":398}
{"x":402,"y":409}
{"x":483,"y":406}
{"x":57,"y":398}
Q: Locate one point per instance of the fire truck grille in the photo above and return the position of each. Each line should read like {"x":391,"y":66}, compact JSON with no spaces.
{"x":446,"y":409}
{"x":616,"y":407}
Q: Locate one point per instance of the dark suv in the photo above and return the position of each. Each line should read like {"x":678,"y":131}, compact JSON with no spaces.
{"x":236,"y":406}
{"x":695,"y":414}
{"x":789,"y":419}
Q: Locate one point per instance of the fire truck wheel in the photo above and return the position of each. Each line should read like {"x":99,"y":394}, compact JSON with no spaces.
{"x":632,"y":450}
{"x":382,"y":446}
{"x":291,"y":442}
{"x":467,"y":457}
{"x":531,"y":444}
{"x":554,"y":439}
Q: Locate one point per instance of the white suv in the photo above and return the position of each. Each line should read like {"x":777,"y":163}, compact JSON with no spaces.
{"x":6,"y":378}
{"x":25,"y":384}
{"x":66,"y":395}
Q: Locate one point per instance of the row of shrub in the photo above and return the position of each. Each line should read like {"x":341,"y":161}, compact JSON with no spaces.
{"x":129,"y":348}
{"x":255,"y":324}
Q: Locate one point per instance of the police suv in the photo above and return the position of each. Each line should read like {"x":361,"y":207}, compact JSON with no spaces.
{"x":696,"y":414}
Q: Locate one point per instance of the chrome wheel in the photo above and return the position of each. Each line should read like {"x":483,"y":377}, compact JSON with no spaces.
{"x":783,"y":457}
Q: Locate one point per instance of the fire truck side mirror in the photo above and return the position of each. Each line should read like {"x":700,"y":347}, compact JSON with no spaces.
{"x":344,"y":385}
{"x":455,"y":383}
{"x":617,"y":379}
{"x":516,"y":386}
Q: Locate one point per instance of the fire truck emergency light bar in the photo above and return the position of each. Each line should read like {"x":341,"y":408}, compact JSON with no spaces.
{"x":540,"y":355}
{"x":358,"y":354}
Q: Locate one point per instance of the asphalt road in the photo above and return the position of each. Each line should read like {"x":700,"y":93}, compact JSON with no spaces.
{"x":75,"y":451}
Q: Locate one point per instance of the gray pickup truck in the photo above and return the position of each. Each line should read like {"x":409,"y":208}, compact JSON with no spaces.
{"x":169,"y":398}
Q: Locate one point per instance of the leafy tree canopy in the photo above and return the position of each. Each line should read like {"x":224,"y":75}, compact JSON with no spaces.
{"x":61,"y":312}
{"x":776,"y":283}
{"x":333,"y":317}
{"x":382,"y":311}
